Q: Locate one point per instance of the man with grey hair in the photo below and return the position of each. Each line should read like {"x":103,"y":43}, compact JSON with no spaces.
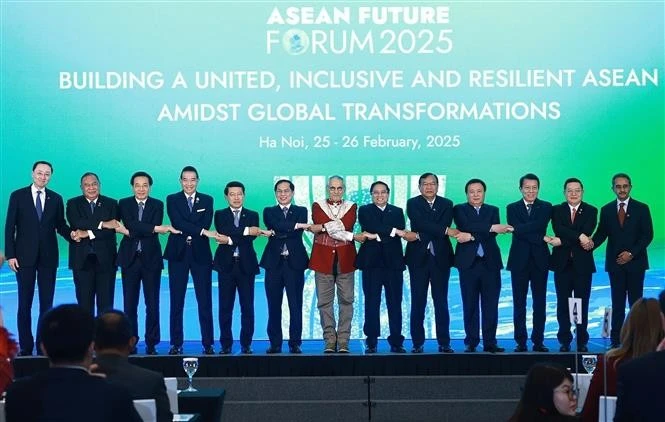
{"x":333,"y":256}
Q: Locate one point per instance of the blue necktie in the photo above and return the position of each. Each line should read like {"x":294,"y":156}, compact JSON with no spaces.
{"x":92,"y":207}
{"x":38,"y":205}
{"x":141,"y":207}
{"x":480,"y":252}
{"x":528,"y":209}
{"x":190,"y":203}
{"x":430,"y":245}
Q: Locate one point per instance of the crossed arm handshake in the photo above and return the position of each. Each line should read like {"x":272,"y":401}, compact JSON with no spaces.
{"x":113,"y":224}
{"x":585,"y":241}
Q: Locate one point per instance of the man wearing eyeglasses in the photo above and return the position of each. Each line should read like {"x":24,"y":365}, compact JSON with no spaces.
{"x":382,"y":263}
{"x":285,"y":261}
{"x":573,"y":222}
{"x":626,"y":224}
{"x":333,"y":256}
{"x":528,"y":261}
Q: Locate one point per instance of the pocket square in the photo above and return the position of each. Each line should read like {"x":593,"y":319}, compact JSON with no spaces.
{"x":201,"y":210}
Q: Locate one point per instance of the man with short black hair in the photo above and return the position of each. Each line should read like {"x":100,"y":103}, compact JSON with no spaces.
{"x":114,"y":340}
{"x":626,"y":224}
{"x":285,"y":261}
{"x":236,"y":265}
{"x":478,"y":259}
{"x":66,"y":391}
{"x":34,"y":216}
{"x":190,"y":213}
{"x":528,"y":261}
{"x":573,"y":222}
{"x":140,"y":256}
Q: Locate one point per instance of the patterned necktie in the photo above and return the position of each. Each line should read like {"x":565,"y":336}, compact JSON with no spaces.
{"x":236,"y":222}
{"x":92,"y":207}
{"x":141,"y":207}
{"x":430,"y":245}
{"x":572,"y":215}
{"x":38,"y":205}
{"x":190,"y":203}
{"x":480,"y":251}
{"x":528,"y":209}
{"x":285,"y":251}
{"x":622,"y":213}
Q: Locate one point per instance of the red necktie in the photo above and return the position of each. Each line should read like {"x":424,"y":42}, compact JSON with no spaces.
{"x":572,"y":215}
{"x":622,"y":213}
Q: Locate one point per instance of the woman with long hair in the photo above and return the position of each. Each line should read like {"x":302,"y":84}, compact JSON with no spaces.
{"x":640,"y":335}
{"x":547,"y":396}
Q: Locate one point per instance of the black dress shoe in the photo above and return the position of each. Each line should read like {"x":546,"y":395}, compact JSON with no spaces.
{"x":469,"y":349}
{"x":225,"y":351}
{"x":582,"y":348}
{"x":175,"y":350}
{"x":493,"y":349}
{"x":273,"y":349}
{"x":445,"y":349}
{"x":150,"y":350}
{"x":208,"y":350}
{"x":397,"y":349}
{"x":540,"y":348}
{"x":370,"y":350}
{"x":417,"y":349}
{"x":565,"y":348}
{"x":24,"y":353}
{"x":615,"y":345}
{"x":521,"y":348}
{"x":296,"y":350}
{"x":246,"y":350}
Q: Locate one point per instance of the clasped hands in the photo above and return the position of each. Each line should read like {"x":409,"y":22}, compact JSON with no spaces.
{"x":585,"y":241}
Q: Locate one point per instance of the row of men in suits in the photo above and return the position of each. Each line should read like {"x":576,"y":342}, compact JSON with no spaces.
{"x":94,"y":220}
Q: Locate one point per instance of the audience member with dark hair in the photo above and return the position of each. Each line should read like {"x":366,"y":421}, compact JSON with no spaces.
{"x":640,"y":335}
{"x":66,"y":391}
{"x":113,"y":342}
{"x":547,"y":395}
{"x":640,"y":384}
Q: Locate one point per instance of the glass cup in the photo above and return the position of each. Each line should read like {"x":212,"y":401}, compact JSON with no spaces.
{"x":190,"y":365}
{"x":589,"y":363}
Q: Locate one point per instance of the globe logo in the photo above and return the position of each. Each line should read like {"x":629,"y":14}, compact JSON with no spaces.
{"x":295,"y":42}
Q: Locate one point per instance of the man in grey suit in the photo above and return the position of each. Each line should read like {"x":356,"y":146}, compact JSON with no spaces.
{"x":113,"y":342}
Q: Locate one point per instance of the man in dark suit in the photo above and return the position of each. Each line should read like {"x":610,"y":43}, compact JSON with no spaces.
{"x":113,"y":343}
{"x":478,"y":259}
{"x":640,"y":384}
{"x":382,"y":263}
{"x":528,"y":261}
{"x":429,"y":256}
{"x":573,"y":223}
{"x":627,"y":226}
{"x":66,"y":391}
{"x":93,"y":257}
{"x":140,"y":256}
{"x":236,"y":265}
{"x":34,"y":215}
{"x":190,"y":213}
{"x":285,"y":261}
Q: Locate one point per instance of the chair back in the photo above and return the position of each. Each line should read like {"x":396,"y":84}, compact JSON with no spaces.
{"x":147,"y":409}
{"x":172,"y":393}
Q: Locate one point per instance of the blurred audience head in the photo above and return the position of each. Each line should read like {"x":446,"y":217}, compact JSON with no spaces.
{"x":641,"y":332}
{"x":113,"y":333}
{"x":547,"y":392}
{"x":66,"y":335}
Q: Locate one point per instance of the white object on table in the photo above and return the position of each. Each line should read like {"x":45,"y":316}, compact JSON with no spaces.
{"x":611,"y":408}
{"x":147,"y":409}
{"x":584,"y":380}
{"x":172,"y":393}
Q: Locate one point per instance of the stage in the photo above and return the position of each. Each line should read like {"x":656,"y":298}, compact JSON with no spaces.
{"x":313,"y":363}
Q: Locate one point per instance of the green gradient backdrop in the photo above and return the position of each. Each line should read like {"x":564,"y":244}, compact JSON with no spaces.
{"x":114,"y":133}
